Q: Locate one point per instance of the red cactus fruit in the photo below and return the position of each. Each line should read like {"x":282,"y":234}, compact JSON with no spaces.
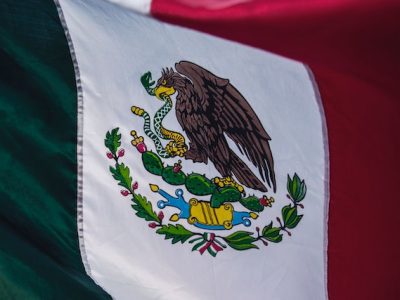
{"x":141,"y":147}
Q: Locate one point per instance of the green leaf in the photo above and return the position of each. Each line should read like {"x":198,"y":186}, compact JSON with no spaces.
{"x":143,"y":208}
{"x":296,"y":188}
{"x":177,"y":233}
{"x":289,"y":213}
{"x":269,"y":226}
{"x":272,"y":234}
{"x":289,"y":185}
{"x":285,"y":211}
{"x":113,"y":140}
{"x":242,"y":246}
{"x":303,"y":191}
{"x":238,"y":235}
{"x":294,"y":223}
{"x":241,"y":240}
{"x":121,"y":174}
{"x":290,"y":217}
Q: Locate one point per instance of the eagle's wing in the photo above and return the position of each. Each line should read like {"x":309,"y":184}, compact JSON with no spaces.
{"x":234,"y":115}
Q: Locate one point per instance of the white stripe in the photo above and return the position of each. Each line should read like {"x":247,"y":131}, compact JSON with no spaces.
{"x":212,"y":4}
{"x":114,"y":47}
{"x":140,"y":6}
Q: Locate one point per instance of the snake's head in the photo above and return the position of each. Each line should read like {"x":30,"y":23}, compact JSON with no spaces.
{"x":147,"y":81}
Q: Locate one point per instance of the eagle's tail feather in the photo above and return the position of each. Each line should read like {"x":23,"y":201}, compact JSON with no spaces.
{"x":244,"y":175}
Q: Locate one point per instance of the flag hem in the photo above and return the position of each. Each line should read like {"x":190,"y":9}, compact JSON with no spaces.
{"x":326,"y":174}
{"x":79,"y":150}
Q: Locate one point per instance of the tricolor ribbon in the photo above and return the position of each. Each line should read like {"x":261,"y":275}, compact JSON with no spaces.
{"x":211,"y":243}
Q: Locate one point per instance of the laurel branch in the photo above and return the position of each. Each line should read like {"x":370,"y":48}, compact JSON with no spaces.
{"x":204,"y":242}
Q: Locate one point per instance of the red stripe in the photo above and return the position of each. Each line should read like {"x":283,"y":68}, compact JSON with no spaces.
{"x":353,"y":48}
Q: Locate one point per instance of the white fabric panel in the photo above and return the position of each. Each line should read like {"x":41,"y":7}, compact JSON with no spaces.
{"x":113,"y":48}
{"x":140,"y":6}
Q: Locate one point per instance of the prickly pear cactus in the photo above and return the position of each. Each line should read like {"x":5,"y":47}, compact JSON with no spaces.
{"x":227,"y":194}
{"x":199,"y":185}
{"x":252,"y":203}
{"x":172,"y":177}
{"x":152,"y":163}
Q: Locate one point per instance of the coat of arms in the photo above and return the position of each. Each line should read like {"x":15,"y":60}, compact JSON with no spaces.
{"x":210,"y":110}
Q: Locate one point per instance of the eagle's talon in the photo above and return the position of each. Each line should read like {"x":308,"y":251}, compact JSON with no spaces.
{"x":228,"y":181}
{"x":175,"y":150}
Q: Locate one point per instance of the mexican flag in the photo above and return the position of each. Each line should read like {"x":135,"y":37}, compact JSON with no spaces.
{"x":199,"y":149}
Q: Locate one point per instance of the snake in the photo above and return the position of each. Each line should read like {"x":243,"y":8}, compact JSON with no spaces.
{"x":177,"y":145}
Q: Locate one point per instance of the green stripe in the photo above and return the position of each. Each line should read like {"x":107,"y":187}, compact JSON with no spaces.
{"x":39,"y":250}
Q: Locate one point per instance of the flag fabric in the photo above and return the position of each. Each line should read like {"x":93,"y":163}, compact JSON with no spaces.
{"x":215,"y":174}
{"x":39,"y":249}
{"x":189,"y":165}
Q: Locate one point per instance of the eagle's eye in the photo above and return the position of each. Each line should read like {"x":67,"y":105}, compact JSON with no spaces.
{"x":164,"y":82}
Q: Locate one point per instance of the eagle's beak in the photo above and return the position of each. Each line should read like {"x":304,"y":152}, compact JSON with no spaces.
{"x":162,"y":89}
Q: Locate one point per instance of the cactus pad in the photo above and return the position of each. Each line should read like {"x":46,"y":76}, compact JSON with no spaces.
{"x":227,"y":194}
{"x":199,"y":185}
{"x":252,"y":203}
{"x":173,"y":178}
{"x":152,"y":163}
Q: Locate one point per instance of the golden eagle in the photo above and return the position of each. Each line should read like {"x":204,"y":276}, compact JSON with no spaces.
{"x":209,"y":109}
